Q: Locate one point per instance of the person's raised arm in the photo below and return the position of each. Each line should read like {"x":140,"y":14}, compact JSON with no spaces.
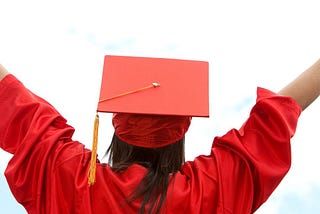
{"x":3,"y":72}
{"x":306,"y":87}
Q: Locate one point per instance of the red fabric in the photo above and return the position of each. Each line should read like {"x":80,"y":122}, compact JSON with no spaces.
{"x":48,"y":172}
{"x":183,"y":90}
{"x":150,"y":131}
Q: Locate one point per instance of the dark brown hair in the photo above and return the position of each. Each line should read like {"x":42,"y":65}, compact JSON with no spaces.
{"x":160,"y":163}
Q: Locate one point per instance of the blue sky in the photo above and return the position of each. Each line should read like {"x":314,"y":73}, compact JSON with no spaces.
{"x":56,"y":48}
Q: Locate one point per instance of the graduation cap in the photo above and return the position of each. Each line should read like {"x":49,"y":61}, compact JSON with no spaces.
{"x":151,"y":92}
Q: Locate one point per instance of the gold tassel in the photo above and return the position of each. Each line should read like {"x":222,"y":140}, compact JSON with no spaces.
{"x":92,"y":169}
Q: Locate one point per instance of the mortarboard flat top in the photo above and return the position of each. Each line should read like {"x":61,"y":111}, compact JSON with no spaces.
{"x":160,"y":86}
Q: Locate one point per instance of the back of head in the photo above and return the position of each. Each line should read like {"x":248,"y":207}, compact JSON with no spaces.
{"x":155,"y":142}
{"x":167,"y":159}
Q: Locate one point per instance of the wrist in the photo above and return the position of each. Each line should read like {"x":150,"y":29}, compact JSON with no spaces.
{"x":3,"y":72}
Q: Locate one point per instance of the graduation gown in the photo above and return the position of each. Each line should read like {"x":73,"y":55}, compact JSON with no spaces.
{"x":48,"y":170}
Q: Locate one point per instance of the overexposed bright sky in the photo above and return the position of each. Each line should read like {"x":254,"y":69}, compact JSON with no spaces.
{"x":56,"y":49}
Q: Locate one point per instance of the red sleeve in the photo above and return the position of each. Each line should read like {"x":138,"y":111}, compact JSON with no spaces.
{"x":246,"y":165}
{"x":253,"y":161}
{"x":40,"y":139}
{"x":24,"y":116}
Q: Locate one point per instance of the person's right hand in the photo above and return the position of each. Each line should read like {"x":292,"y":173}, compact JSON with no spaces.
{"x":3,"y":72}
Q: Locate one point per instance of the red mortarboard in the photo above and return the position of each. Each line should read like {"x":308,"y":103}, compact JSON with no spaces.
{"x":153,"y":99}
{"x":129,"y":85}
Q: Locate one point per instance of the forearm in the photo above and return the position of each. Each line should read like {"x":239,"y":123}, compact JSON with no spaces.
{"x":306,"y":87}
{"x":3,"y":72}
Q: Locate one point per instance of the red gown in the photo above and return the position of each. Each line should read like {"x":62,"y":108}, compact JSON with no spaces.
{"x":48,"y":172}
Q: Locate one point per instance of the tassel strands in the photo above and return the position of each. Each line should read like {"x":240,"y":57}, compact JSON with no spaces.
{"x":92,"y":169}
